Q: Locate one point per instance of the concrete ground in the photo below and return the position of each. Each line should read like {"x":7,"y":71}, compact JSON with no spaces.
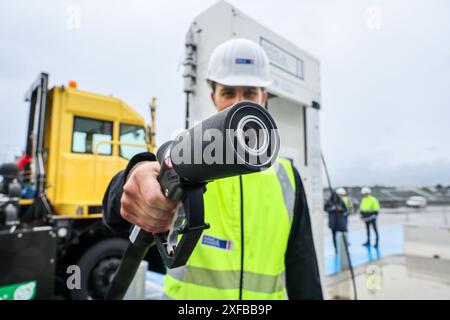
{"x":387,"y":273}
{"x":396,"y":277}
{"x":390,"y":227}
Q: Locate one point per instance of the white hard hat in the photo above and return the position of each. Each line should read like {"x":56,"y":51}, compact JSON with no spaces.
{"x":341,"y":191}
{"x":366,"y":190}
{"x":239,"y":62}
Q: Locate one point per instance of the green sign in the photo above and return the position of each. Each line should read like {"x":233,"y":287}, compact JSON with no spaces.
{"x":19,"y":291}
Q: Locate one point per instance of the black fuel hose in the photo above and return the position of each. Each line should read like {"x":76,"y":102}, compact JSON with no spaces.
{"x":131,"y":259}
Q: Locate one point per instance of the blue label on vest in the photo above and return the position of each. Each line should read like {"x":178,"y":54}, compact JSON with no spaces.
{"x":243,"y":61}
{"x":217,"y":243}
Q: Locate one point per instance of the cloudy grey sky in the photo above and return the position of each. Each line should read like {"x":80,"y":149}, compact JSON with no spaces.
{"x":385,"y":69}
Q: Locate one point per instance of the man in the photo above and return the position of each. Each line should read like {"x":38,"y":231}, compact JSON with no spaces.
{"x":369,"y":208}
{"x":260,"y":244}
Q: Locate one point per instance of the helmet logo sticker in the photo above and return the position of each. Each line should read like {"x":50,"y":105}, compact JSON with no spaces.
{"x":243,"y":61}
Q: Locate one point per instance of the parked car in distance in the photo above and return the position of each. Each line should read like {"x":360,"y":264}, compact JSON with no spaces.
{"x":416,"y":202}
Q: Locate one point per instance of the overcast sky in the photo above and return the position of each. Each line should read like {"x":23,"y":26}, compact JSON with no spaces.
{"x":385,"y":70}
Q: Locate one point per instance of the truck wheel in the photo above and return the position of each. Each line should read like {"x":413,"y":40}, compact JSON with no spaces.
{"x":98,"y":265}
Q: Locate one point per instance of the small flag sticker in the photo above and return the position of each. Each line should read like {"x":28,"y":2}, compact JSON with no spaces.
{"x":243,"y":61}
{"x":211,"y":241}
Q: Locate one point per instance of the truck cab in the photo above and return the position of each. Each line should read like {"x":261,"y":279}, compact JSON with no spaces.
{"x":76,"y":141}
{"x":88,"y":138}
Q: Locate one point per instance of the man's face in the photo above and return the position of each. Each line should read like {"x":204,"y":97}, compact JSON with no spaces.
{"x":226,"y":96}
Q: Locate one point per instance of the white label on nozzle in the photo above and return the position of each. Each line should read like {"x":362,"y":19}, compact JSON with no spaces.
{"x":167,"y":159}
{"x":134,"y":233}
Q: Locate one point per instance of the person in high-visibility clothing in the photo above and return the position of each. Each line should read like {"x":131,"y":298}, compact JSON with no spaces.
{"x":260,"y":243}
{"x":369,"y":208}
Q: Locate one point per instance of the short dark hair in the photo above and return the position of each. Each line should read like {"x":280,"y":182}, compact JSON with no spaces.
{"x":212,"y":85}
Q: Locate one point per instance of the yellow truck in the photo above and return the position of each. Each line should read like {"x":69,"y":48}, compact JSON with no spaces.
{"x":51,"y":207}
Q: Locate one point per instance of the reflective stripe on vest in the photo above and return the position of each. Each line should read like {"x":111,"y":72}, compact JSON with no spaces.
{"x":288,"y":190}
{"x":227,"y":279}
{"x":214,"y":269}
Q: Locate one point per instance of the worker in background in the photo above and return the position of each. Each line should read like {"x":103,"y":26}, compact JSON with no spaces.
{"x":348,"y":203}
{"x":260,"y":243}
{"x":369,"y":208}
{"x":24,"y":166}
{"x":337,"y":216}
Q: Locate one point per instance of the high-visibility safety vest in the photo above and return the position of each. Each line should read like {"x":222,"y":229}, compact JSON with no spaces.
{"x":348,"y":205}
{"x":369,"y":204}
{"x":242,"y":255}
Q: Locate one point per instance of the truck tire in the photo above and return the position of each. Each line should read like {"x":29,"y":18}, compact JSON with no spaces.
{"x":98,"y":265}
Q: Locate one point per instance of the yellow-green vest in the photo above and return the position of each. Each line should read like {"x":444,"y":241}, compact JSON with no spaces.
{"x":214,"y":270}
{"x":369,"y":204}
{"x":347,"y":205}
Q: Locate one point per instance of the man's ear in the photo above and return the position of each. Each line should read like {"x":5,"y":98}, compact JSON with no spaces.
{"x":265,"y":96}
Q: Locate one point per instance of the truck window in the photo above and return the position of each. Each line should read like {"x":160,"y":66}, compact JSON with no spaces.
{"x":131,"y":134}
{"x":88,"y":133}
